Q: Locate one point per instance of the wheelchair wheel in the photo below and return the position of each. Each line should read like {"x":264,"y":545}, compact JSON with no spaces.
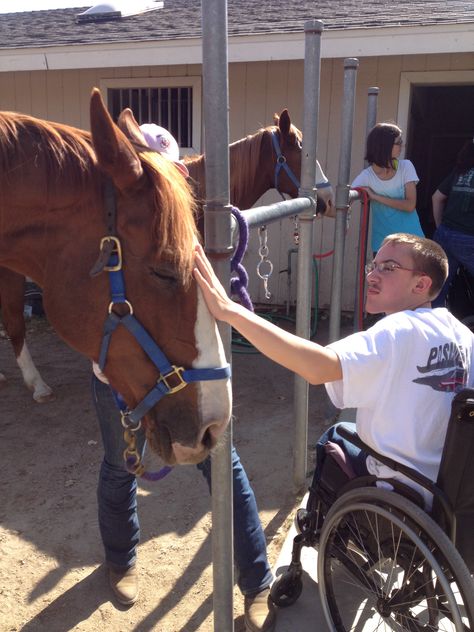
{"x":384,"y":564}
{"x":286,"y":589}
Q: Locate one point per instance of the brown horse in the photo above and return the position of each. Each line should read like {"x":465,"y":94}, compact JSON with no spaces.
{"x":253,"y":163}
{"x":52,"y":231}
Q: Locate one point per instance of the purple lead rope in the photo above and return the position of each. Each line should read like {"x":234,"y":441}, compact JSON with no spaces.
{"x":239,"y":284}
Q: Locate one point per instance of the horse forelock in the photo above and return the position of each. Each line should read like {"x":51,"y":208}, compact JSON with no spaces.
{"x":62,"y":151}
{"x":174,"y":224}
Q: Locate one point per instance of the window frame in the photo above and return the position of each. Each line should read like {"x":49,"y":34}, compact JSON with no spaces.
{"x":193,"y":82}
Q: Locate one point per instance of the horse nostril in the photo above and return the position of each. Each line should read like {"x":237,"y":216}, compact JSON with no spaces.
{"x":207,"y":439}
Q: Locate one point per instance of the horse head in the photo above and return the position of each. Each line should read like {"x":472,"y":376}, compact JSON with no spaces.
{"x":155,"y":222}
{"x":287,"y":141}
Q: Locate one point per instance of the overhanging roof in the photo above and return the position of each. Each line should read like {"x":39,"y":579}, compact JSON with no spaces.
{"x":258,"y":30}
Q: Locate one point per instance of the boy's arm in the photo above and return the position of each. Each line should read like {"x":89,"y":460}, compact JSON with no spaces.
{"x":314,"y":363}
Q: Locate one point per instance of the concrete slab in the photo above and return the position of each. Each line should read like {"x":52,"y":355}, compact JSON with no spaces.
{"x":306,"y":614}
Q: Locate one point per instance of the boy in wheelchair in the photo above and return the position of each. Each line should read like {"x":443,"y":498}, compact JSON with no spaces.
{"x":401,"y":374}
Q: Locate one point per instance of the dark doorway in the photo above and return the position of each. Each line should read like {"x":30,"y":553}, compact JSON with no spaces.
{"x":441,"y":119}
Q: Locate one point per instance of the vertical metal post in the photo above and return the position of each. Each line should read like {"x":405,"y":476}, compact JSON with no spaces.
{"x":371,"y":120}
{"x":312,"y":73}
{"x":372,"y":97}
{"x":342,"y":195}
{"x":217,"y":218}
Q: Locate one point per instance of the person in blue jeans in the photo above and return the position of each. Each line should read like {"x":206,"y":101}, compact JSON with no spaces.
{"x":120,"y":529}
{"x":453,"y":213}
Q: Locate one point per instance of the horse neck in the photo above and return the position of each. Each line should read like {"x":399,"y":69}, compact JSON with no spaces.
{"x":250,"y":176}
{"x":33,"y":230}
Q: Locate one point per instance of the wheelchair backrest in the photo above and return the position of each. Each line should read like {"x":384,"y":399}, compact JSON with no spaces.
{"x":456,"y":474}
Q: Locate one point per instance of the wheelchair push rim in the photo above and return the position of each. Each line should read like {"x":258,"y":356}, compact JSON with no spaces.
{"x":384,"y":564}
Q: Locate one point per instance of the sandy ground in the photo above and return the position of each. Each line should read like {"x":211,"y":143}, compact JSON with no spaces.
{"x":51,"y":572}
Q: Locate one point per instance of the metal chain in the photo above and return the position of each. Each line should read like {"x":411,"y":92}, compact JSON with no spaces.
{"x":264,"y":260}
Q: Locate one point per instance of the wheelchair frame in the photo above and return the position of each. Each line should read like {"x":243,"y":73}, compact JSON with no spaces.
{"x":383,"y":549}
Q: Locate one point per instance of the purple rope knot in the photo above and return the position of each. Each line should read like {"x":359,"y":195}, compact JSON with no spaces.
{"x":239,"y":284}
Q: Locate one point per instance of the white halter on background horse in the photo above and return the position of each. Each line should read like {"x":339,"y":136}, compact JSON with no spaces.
{"x":270,"y":158}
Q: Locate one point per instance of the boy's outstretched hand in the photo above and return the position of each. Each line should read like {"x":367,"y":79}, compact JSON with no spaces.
{"x":219,"y":304}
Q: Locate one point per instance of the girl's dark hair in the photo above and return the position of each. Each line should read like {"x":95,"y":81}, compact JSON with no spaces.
{"x":465,"y":159}
{"x":380,"y":144}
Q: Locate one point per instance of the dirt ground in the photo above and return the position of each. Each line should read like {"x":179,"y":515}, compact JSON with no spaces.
{"x":51,"y":572}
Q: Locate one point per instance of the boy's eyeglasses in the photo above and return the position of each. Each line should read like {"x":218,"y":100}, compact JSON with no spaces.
{"x":387,"y":266}
{"x":399,"y":141}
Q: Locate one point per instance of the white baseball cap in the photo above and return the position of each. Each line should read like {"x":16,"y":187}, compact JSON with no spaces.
{"x":159,"y":139}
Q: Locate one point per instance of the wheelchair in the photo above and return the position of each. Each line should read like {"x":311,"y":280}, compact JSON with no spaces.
{"x":384,"y":563}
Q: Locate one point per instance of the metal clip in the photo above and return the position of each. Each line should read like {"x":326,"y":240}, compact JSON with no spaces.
{"x":116,"y":249}
{"x":177,"y":371}
{"x":263,"y":254}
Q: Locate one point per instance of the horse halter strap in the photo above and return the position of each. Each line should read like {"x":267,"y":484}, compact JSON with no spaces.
{"x":172,"y":378}
{"x":281,"y":163}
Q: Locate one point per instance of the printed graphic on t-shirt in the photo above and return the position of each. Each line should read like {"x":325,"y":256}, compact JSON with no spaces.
{"x":445,"y":368}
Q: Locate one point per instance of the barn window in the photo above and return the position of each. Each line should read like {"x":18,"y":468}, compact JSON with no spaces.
{"x":169,"y":107}
{"x":173,"y":103}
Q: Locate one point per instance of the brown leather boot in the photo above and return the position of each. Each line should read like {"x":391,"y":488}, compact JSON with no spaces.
{"x":259,"y":612}
{"x":124,"y":585}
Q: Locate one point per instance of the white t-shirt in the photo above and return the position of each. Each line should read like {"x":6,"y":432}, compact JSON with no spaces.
{"x":401,"y":375}
{"x":387,"y":220}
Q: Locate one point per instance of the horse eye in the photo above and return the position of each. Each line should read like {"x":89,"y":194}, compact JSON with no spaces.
{"x":164,"y":275}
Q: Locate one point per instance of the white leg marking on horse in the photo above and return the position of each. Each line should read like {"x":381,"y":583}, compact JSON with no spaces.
{"x":215,"y":396}
{"x":32,"y":378}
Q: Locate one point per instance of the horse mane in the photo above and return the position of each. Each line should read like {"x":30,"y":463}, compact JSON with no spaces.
{"x":66,"y":152}
{"x":174,"y":228}
{"x":67,"y":155}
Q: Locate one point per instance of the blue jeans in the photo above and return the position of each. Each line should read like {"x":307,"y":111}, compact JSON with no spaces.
{"x":356,"y":456}
{"x":459,"y":248}
{"x":118,"y":512}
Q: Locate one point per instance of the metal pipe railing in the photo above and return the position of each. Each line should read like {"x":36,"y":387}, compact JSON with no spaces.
{"x":312,"y":76}
{"x":218,"y":240}
{"x":342,"y":196}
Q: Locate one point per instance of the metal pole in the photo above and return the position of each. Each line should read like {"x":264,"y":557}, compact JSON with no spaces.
{"x":217,"y":231}
{"x":312,"y":73}
{"x":371,"y":120}
{"x":342,"y":195}
{"x":372,"y":97}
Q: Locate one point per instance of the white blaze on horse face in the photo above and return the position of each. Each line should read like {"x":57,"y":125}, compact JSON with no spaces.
{"x":325,"y":193}
{"x":215,"y":396}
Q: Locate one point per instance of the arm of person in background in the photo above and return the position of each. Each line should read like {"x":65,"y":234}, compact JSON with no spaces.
{"x":407,"y":204}
{"x":439,"y":202}
{"x":314,"y":363}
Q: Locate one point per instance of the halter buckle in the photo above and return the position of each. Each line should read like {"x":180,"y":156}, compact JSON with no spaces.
{"x":116,"y":249}
{"x":178,"y":373}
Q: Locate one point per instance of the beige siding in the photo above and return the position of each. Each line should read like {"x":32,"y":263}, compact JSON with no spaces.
{"x":256,"y":91}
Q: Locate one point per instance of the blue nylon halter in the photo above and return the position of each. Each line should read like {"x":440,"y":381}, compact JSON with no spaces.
{"x":281,"y":163}
{"x":168,"y":372}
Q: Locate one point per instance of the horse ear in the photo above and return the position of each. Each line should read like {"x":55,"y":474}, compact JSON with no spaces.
{"x":284,"y":123}
{"x":115,"y":154}
{"x":129,"y":126}
{"x":276,"y":119}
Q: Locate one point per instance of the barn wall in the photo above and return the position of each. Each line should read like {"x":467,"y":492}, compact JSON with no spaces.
{"x":257,"y":90}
